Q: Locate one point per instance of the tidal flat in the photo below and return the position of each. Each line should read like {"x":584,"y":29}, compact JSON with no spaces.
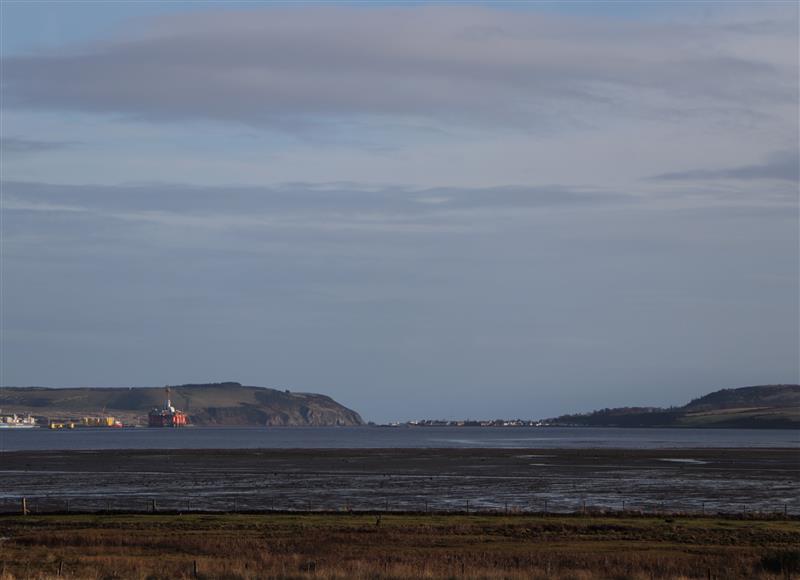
{"x":742,"y":481}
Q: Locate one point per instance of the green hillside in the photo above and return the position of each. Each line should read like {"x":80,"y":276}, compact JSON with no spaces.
{"x":206,"y":404}
{"x":775,"y":396}
{"x":758,"y":407}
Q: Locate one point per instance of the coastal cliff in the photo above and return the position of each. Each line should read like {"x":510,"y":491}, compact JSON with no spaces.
{"x":227,"y":403}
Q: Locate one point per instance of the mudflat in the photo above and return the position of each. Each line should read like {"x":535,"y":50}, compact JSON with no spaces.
{"x":730,"y":481}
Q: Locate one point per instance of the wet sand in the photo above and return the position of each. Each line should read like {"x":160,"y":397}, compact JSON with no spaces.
{"x":555,"y":480}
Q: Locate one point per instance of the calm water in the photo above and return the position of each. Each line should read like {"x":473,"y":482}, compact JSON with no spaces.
{"x":385,"y":437}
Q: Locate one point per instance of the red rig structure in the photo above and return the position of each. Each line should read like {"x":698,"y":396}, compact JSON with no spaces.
{"x":167,"y":416}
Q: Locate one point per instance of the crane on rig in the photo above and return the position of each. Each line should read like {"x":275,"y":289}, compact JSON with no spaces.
{"x":168,"y":415}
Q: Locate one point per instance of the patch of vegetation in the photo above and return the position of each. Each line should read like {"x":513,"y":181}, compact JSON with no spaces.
{"x":332,"y":546}
{"x":766,"y":406}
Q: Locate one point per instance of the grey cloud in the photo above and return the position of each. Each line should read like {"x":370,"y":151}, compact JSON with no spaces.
{"x":291,"y":204}
{"x":782,"y":166}
{"x":289,"y":68}
{"x":20,"y":145}
{"x":784,"y":27}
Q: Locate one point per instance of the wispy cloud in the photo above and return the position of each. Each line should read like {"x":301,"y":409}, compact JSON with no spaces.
{"x":12,"y":145}
{"x":782,"y":166}
{"x":289,"y":69}
{"x":323,"y":207}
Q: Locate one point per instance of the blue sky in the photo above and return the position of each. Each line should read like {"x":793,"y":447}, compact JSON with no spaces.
{"x":439,"y":210}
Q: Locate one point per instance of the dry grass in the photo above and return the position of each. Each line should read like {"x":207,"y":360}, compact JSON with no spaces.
{"x":345,"y":546}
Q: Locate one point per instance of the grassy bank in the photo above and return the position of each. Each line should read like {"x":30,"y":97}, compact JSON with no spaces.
{"x":394,"y":546}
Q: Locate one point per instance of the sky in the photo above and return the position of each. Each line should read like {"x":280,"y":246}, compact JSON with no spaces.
{"x":450,"y":210}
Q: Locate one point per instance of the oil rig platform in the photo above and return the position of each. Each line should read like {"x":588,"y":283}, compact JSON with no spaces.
{"x":167,"y":416}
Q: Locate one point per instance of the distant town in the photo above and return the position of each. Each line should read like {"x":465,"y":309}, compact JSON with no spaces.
{"x":469,"y":423}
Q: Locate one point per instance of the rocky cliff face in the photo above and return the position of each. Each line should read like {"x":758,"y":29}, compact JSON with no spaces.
{"x":268,"y":407}
{"x":206,"y":404}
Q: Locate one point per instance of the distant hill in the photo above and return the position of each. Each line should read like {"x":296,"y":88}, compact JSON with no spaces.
{"x":206,"y":404}
{"x":761,"y":407}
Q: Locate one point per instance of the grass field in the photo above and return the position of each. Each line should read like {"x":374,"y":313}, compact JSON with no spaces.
{"x":395,"y":546}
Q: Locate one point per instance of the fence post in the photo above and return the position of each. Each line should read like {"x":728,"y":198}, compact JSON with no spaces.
{"x":545,"y":506}
{"x":153,"y":505}
{"x":467,"y":506}
{"x":194,"y":569}
{"x":24,"y":507}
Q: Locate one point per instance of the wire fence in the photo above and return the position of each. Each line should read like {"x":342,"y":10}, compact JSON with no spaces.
{"x":422,"y":505}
